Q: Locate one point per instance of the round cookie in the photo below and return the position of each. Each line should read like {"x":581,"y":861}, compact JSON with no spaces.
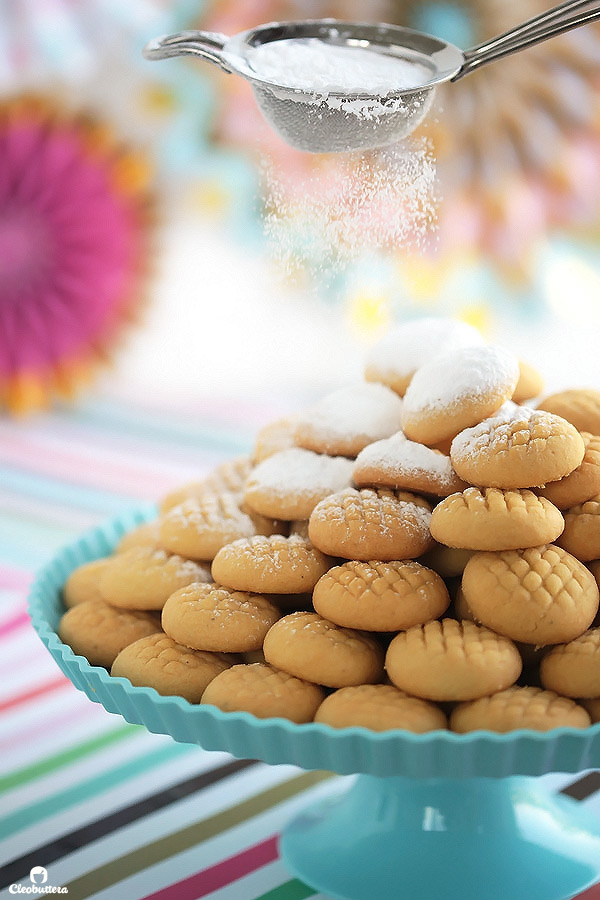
{"x":448,"y":562}
{"x":99,"y":632}
{"x":446,"y":660}
{"x":270,"y":565}
{"x":379,"y":707}
{"x":228,"y":477}
{"x":171,"y":669}
{"x":273,"y":438}
{"x":541,"y":595}
{"x":396,"y":462}
{"x":143,"y":578}
{"x":209,"y":617}
{"x":380,"y":596}
{"x":145,"y":535}
{"x":579,"y":406}
{"x":519,"y":707}
{"x":289,"y":484}
{"x":348,"y":419}
{"x":457,"y":390}
{"x":264,"y":692}
{"x":593,"y":708}
{"x":396,"y":356}
{"x":82,"y":583}
{"x":371,"y":524}
{"x":581,"y":535}
{"x":518,"y":453}
{"x":582,"y":483}
{"x":529,"y":385}
{"x":198,"y":528}
{"x":309,"y":647}
{"x":573,"y":669}
{"x":493,"y":519}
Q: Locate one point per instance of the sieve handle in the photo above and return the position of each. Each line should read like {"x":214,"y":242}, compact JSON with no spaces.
{"x":205,"y":44}
{"x":540,"y":28}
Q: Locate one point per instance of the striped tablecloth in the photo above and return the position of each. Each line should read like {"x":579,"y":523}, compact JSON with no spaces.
{"x":107,"y":809}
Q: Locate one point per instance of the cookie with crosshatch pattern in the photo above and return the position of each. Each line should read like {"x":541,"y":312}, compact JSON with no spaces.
{"x":170,"y":668}
{"x":579,"y":406}
{"x":379,"y":707}
{"x":143,"y":577}
{"x":99,"y":632}
{"x":573,"y":669}
{"x":371,"y":524}
{"x":380,"y":596}
{"x":310,"y":647}
{"x":210,"y":617}
{"x":581,"y":535}
{"x":583,"y":482}
{"x":493,"y":519}
{"x":446,"y":660}
{"x":519,"y":707}
{"x":228,"y":477}
{"x":265,"y":692}
{"x":200,"y":526}
{"x":541,"y":595}
{"x":522,"y":452}
{"x":270,"y":565}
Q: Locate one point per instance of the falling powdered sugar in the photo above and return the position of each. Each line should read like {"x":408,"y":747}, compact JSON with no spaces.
{"x":348,"y":207}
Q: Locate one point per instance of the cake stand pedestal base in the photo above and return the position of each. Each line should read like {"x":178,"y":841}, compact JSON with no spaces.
{"x":445,"y":839}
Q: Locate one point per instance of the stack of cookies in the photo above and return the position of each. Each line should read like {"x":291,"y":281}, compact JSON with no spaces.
{"x":417,"y":551}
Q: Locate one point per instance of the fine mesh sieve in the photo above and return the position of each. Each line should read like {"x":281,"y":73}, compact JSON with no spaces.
{"x":333,"y":120}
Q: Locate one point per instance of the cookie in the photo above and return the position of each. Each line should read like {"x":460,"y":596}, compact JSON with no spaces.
{"x":170,"y":668}
{"x":371,"y":524}
{"x":580,"y":407}
{"x":199,"y":527}
{"x":519,"y":453}
{"x":289,"y":484}
{"x":529,"y":385}
{"x":379,"y":707}
{"x":573,"y":669}
{"x":380,"y":596}
{"x":541,"y":595}
{"x":449,"y":562}
{"x":592,"y":707}
{"x":83,"y":582}
{"x":228,"y":477}
{"x":348,"y":419}
{"x":446,"y":660}
{"x":99,"y":632}
{"x":456,"y":391}
{"x":396,"y":462}
{"x":396,"y":356}
{"x":273,"y":438}
{"x":519,"y":707}
{"x":493,"y":519}
{"x":209,"y":617}
{"x":264,"y":692}
{"x":143,"y":578}
{"x":145,"y":535}
{"x":310,"y":647}
{"x":583,"y":482}
{"x":581,"y":535}
{"x":270,"y":565}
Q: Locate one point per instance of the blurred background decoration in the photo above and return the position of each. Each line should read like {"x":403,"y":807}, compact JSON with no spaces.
{"x":517,"y":150}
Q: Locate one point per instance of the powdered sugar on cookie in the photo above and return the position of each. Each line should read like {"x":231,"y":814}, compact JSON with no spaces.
{"x":348,"y":419}
{"x":400,"y":463}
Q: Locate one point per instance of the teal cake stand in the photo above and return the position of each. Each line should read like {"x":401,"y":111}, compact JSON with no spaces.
{"x":426,"y":817}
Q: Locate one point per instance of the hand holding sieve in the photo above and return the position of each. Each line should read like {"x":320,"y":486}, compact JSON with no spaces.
{"x":322,"y":121}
